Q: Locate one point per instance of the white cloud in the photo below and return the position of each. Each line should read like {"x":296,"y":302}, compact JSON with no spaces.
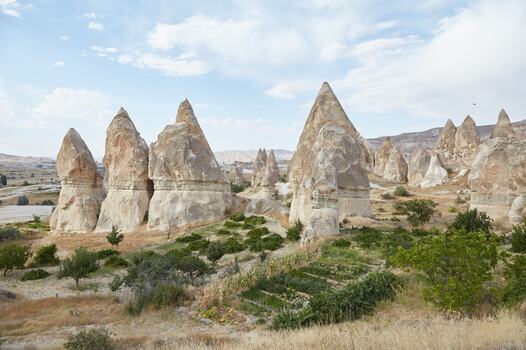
{"x":97,"y":26}
{"x":64,"y":37}
{"x":386,"y":25}
{"x":169,"y":66}
{"x":90,"y":15}
{"x":58,"y":64}
{"x":383,"y":45}
{"x":289,"y":89}
{"x":10,"y":8}
{"x":6,"y":109}
{"x":104,"y":50}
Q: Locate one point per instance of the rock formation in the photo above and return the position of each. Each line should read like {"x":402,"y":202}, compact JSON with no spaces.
{"x":259,"y":168}
{"x":270,"y":177}
{"x":389,"y":163}
{"x":190,"y":187}
{"x":435,"y":174}
{"x":503,"y":128}
{"x":445,"y":144}
{"x":418,"y":165}
{"x":516,"y":215}
{"x":467,"y":142}
{"x":239,"y":179}
{"x":328,"y":172}
{"x":82,"y":193}
{"x":126,"y":178}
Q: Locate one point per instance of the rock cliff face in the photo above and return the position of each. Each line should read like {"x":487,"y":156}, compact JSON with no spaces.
{"x":239,"y":179}
{"x":389,"y":163}
{"x":435,"y":174}
{"x":418,"y":166}
{"x":190,"y":187}
{"x":82,"y":192}
{"x":126,"y":178}
{"x":259,"y":168}
{"x":445,"y":144}
{"x":503,"y":128}
{"x":328,"y":171}
{"x":467,"y":142}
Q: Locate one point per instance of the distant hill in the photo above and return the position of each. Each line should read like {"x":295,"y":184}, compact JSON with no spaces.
{"x":230,"y":157}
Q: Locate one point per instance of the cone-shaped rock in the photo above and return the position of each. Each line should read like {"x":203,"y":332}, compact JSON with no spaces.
{"x":190,"y":187}
{"x":126,"y":178}
{"x":435,"y":174}
{"x":445,"y":144}
{"x":258,"y":170}
{"x":467,"y":141}
{"x":503,"y":129}
{"x":271,"y":174}
{"x":238,"y":179}
{"x":82,"y":193}
{"x":389,"y":162}
{"x":418,"y":166}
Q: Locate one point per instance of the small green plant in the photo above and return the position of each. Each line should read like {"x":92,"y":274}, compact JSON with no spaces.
{"x":199,"y":246}
{"x":90,"y":339}
{"x":215,"y":251}
{"x":341,"y":243}
{"x":473,"y":221}
{"x":515,"y":289}
{"x":46,"y":256}
{"x":233,"y":245}
{"x":238,"y":217}
{"x":115,"y":261}
{"x":418,"y":211}
{"x":168,"y":295}
{"x":9,"y":232}
{"x":115,"y":237}
{"x":294,"y":233}
{"x":367,"y":237}
{"x":190,"y":238}
{"x":518,"y":238}
{"x":79,"y":265}
{"x":232,"y":224}
{"x":3,"y":180}
{"x":34,"y":275}
{"x":223,"y":232}
{"x":401,"y":191}
{"x":105,"y":253}
{"x":255,"y":220}
{"x":13,"y":256}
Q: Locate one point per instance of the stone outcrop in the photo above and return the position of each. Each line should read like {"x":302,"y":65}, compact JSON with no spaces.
{"x":259,"y":168}
{"x":238,"y":179}
{"x":190,"y":188}
{"x":467,"y":142}
{"x":516,"y":213}
{"x":328,"y":173}
{"x":498,"y":176}
{"x":418,"y":165}
{"x":270,"y":176}
{"x":271,"y":208}
{"x":445,"y":144}
{"x":389,"y":163}
{"x":503,"y":128}
{"x":435,"y":174}
{"x":128,"y":188}
{"x":82,"y":190}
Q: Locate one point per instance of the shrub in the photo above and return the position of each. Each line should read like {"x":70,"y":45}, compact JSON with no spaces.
{"x":400,"y":191}
{"x":46,"y":256}
{"x":116,"y":261}
{"x":168,"y":295}
{"x":190,"y":238}
{"x":247,"y":226}
{"x":473,"y":221}
{"x":232,"y":224}
{"x":272,"y":241}
{"x":341,"y":243}
{"x":418,"y":211}
{"x":387,"y":196}
{"x":455,"y":267}
{"x":367,"y":237}
{"x":515,"y":289}
{"x":518,"y":238}
{"x":90,"y":339}
{"x":395,"y":240}
{"x":238,"y":217}
{"x":199,"y":246}
{"x":232,"y":245}
{"x":190,"y":265}
{"x":255,"y":220}
{"x":13,"y":256}
{"x":115,"y":237}
{"x":105,"y":253}
{"x":79,"y":265}
{"x":34,"y":275}
{"x":22,"y":200}
{"x":223,"y":232}
{"x":3,"y":180}
{"x":294,"y":233}
{"x":215,"y":251}
{"x":239,"y":188}
{"x":257,"y":232}
{"x":9,"y":232}
{"x":47,"y":202}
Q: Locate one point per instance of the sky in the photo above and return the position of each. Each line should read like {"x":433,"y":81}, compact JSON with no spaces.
{"x":251,"y":69}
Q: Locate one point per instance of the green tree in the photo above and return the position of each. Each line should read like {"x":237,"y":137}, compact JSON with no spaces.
{"x":454,"y":266}
{"x":515,"y":289}
{"x":46,"y":256}
{"x":418,"y":211}
{"x":115,"y":237}
{"x":473,"y":221}
{"x":13,"y":256}
{"x":215,"y":251}
{"x":518,"y":238}
{"x":22,"y":200}
{"x":79,"y":265}
{"x":3,"y":180}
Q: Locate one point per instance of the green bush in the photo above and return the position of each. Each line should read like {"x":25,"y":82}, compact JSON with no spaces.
{"x":473,"y":221}
{"x":190,"y":238}
{"x":13,"y":256}
{"x":273,"y":241}
{"x":34,"y":275}
{"x":247,"y":226}
{"x":400,"y":191}
{"x":199,"y":246}
{"x":418,"y":211}
{"x":255,"y":220}
{"x":395,"y":240}
{"x":9,"y":232}
{"x":233,"y":245}
{"x":3,"y":180}
{"x":232,"y":224}
{"x":294,"y":233}
{"x":259,"y":240}
{"x":455,"y":267}
{"x":258,"y":232}
{"x":518,"y":238}
{"x":22,"y":200}
{"x":238,"y":217}
{"x":79,"y":265}
{"x":341,"y":243}
{"x":90,"y":339}
{"x":46,"y":256}
{"x":367,"y":237}
{"x":239,"y":188}
{"x":105,"y":253}
{"x":215,"y":251}
{"x":116,"y":261}
{"x":115,"y":237}
{"x":515,"y":289}
{"x":168,"y":295}
{"x":188,"y":264}
{"x":223,"y":232}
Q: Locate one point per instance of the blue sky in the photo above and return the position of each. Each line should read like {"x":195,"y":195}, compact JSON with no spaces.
{"x":251,"y":69}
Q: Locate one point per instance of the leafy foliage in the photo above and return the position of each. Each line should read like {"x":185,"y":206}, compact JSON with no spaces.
{"x":341,"y":243}
{"x":367,"y":237}
{"x":518,"y":238}
{"x":168,"y":295}
{"x":294,"y":233}
{"x":199,"y":246}
{"x":22,"y":200}
{"x":473,"y":221}
{"x":3,"y":180}
{"x":232,"y":224}
{"x":233,"y":245}
{"x":115,"y":237}
{"x":116,"y":261}
{"x":190,"y":238}
{"x":13,"y":256}
{"x":79,"y":265}
{"x":34,"y":275}
{"x":401,"y":191}
{"x":255,"y":220}
{"x":215,"y":251}
{"x":418,"y":211}
{"x":9,"y":232}
{"x":238,"y":217}
{"x":106,"y":253}
{"x":515,"y":289}
{"x":90,"y":339}
{"x":46,"y":256}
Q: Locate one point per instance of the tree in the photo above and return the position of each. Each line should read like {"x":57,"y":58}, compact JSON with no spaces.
{"x":3,"y":180}
{"x":518,"y":238}
{"x":473,"y":221}
{"x":79,"y":265}
{"x":22,"y":200}
{"x":115,"y":237}
{"x":46,"y":256}
{"x":455,"y":266}
{"x":418,"y":211}
{"x":215,"y":251}
{"x":88,"y":339}
{"x":13,"y":256}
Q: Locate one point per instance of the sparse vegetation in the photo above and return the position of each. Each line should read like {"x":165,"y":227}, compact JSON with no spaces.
{"x":294,"y":232}
{"x":36,"y":274}
{"x":46,"y":256}
{"x":8,"y":233}
{"x":90,"y":339}
{"x":401,"y":191}
{"x":418,"y":211}
{"x":22,"y":200}
{"x":214,"y":252}
{"x":13,"y":256}
{"x":79,"y":265}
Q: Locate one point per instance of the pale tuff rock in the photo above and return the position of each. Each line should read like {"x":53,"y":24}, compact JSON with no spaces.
{"x":239,"y":179}
{"x":270,"y":208}
{"x":190,"y":187}
{"x":82,"y":192}
{"x":445,"y":144}
{"x":126,"y":178}
{"x":418,"y":166}
{"x":259,"y":168}
{"x":467,"y":141}
{"x":515,"y":214}
{"x":327,"y":173}
{"x":503,"y":128}
{"x":389,"y":163}
{"x":271,"y":173}
{"x":498,"y":176}
{"x":435,"y":174}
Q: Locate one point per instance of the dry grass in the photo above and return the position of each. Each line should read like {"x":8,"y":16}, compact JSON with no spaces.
{"x":507,"y":331}
{"x":34,"y":316}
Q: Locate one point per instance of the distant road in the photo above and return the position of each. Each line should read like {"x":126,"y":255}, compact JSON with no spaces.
{"x":19,"y":213}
